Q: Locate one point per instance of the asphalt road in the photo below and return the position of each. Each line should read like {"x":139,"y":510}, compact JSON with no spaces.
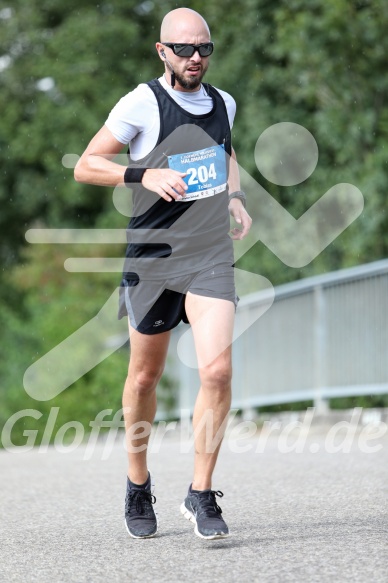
{"x":316,"y":515}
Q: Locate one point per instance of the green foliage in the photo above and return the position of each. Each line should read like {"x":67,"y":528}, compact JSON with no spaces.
{"x":55,"y":304}
{"x":63,"y":66}
{"x":366,"y":401}
{"x":278,"y":408}
{"x":70,"y":63}
{"x":322,"y":65}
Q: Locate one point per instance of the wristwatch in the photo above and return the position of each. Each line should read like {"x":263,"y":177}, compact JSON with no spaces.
{"x":239,"y":194}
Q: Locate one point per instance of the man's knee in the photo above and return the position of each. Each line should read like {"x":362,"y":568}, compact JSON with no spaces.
{"x":217,"y":375}
{"x":143,"y":381}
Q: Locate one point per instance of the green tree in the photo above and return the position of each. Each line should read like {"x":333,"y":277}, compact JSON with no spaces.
{"x":68,"y":64}
{"x":320,"y":64}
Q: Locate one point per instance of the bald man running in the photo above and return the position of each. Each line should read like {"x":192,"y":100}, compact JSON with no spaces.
{"x":179,"y":258}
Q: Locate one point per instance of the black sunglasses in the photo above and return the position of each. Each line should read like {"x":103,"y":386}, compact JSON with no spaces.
{"x":188,"y":50}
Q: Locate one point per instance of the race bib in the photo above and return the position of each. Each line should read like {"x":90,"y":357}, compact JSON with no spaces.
{"x":206,"y":171}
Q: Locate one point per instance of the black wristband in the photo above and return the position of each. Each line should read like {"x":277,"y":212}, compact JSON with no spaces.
{"x":132,"y":175}
{"x":240,"y":195}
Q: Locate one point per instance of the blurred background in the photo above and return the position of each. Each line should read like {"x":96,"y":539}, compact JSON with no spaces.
{"x":65,"y":63}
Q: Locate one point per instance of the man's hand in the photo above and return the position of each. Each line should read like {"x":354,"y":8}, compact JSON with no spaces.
{"x":240,"y":215}
{"x":167,"y":183}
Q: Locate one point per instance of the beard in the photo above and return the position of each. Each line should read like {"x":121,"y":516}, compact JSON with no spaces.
{"x":190,"y":82}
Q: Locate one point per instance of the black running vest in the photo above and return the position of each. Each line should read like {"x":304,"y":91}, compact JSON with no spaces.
{"x":168,"y":239}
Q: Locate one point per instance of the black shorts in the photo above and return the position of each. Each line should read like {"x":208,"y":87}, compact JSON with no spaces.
{"x":158,"y":306}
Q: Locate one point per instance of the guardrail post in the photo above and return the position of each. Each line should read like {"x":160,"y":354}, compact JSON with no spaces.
{"x":320,"y":338}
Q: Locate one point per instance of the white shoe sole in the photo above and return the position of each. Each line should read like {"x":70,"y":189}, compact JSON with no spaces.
{"x":190,"y":516}
{"x":145,"y":535}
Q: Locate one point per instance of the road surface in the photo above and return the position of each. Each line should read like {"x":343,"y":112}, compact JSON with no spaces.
{"x":304,"y":516}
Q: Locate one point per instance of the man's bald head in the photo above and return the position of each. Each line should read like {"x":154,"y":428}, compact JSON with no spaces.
{"x":184,"y":25}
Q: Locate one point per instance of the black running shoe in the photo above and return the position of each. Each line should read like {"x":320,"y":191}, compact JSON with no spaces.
{"x":140,"y":518}
{"x":202,"y":509}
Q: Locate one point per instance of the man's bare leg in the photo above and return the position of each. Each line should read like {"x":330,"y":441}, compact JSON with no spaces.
{"x":147,"y":360}
{"x":212,"y":323}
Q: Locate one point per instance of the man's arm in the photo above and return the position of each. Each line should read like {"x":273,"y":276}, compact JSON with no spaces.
{"x":96,"y":167}
{"x":236,"y":207}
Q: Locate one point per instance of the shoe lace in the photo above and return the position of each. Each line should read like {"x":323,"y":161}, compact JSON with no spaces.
{"x":208,"y":504}
{"x":140,"y":499}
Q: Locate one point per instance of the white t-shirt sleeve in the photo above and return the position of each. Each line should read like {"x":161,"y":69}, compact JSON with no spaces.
{"x":230,"y":105}
{"x":137,"y":112}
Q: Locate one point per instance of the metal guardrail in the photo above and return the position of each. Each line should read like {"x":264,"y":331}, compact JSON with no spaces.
{"x":325,"y":336}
